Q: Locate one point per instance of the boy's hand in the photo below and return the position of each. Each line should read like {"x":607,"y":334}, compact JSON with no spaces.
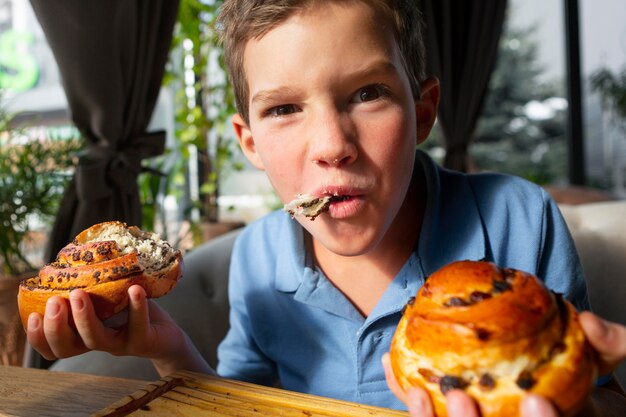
{"x":149,"y":332}
{"x":607,"y":338}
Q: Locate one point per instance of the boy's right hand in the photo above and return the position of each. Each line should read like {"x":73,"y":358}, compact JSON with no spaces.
{"x":149,"y":331}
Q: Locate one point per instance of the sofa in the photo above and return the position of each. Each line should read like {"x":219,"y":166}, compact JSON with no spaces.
{"x":199,"y":302}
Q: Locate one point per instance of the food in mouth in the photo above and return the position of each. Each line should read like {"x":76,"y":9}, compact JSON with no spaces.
{"x":310,"y":206}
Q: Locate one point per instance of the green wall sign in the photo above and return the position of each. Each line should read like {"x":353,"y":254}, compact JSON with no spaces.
{"x":19,"y":70}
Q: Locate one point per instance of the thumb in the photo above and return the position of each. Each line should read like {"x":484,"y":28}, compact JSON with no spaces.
{"x":607,"y":338}
{"x":536,"y":406}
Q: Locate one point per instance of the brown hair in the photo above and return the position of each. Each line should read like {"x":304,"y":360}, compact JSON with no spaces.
{"x":242,"y":20}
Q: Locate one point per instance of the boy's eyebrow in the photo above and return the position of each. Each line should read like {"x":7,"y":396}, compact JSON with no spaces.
{"x":377,"y":67}
{"x":268,"y":95}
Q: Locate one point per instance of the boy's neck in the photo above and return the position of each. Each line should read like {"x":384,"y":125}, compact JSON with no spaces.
{"x":363,"y":279}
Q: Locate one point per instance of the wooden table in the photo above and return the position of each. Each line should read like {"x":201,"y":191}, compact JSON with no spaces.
{"x":32,"y":392}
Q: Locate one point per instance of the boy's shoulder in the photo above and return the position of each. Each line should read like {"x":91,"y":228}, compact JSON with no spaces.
{"x":505,"y":187}
{"x":484,"y":187}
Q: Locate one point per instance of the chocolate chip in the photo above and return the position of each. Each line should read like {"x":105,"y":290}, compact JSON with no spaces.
{"x":482,"y":334}
{"x":478,"y":296}
{"x":486,"y":382}
{"x":456,"y":302}
{"x":88,"y":256}
{"x":525,"y":380}
{"x":76,"y":256}
{"x":501,"y":286}
{"x":449,"y":382}
{"x":559,"y":347}
{"x":103,"y":250}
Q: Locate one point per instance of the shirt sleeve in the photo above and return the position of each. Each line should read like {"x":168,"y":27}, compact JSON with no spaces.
{"x":559,"y":262}
{"x":239,"y":357}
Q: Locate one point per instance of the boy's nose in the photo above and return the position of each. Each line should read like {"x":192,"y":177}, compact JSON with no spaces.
{"x":334,"y":144}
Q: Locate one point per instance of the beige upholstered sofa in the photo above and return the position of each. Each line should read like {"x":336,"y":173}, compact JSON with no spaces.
{"x":200,"y":305}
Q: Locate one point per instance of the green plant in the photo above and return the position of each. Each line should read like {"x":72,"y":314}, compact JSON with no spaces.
{"x":204,"y":103}
{"x":612,"y":89}
{"x":32,"y":179}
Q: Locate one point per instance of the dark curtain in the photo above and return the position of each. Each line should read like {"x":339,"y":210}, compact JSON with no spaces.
{"x":111,"y":56}
{"x":462,"y":42}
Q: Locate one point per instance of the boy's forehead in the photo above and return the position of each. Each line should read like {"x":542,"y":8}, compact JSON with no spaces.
{"x":318,"y":9}
{"x":321,"y":12}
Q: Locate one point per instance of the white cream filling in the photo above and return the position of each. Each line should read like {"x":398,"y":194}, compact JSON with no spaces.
{"x":154,"y":253}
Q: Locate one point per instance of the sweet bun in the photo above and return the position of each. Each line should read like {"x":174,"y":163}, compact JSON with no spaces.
{"x":496,"y":333}
{"x":104,"y":260}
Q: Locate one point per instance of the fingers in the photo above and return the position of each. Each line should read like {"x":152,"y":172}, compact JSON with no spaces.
{"x":52,"y":335}
{"x":56,"y":327}
{"x":37,"y":338}
{"x":416,"y":399}
{"x":607,"y":338}
{"x":139,"y":325}
{"x":419,"y":403}
{"x":392,"y":383}
{"x":536,"y":406}
{"x":90,"y":328}
{"x":459,"y":404}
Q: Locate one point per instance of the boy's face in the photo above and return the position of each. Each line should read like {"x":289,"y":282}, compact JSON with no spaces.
{"x":331,"y":112}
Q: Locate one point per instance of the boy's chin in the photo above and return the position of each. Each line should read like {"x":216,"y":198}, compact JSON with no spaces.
{"x":341,"y":242}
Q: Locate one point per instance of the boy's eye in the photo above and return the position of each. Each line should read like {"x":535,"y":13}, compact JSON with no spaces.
{"x":370,"y":93}
{"x":281,"y":110}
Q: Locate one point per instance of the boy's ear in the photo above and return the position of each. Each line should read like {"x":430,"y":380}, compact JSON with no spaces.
{"x":426,"y":107}
{"x":246,"y":141}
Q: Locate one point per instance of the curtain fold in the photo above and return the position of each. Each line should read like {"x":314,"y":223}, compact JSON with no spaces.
{"x":111,"y":56}
{"x":462,"y":40}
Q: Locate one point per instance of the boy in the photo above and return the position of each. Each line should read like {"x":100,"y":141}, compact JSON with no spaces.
{"x":333,"y":101}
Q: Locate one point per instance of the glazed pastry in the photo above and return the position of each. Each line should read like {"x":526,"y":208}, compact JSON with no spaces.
{"x":104,"y":260}
{"x":496,"y":333}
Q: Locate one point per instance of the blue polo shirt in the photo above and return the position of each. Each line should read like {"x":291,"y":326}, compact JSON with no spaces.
{"x":289,"y":324}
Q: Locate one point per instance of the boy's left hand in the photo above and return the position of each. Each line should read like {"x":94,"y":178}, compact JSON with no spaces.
{"x":607,"y":338}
